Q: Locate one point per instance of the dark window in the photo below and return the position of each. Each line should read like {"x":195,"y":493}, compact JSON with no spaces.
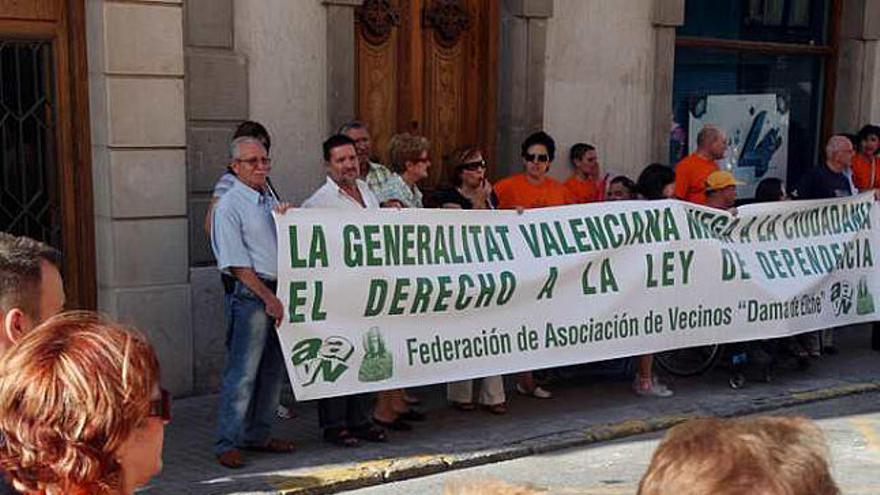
{"x":754,"y":47}
{"x":781,"y":21}
{"x":796,"y":79}
{"x":29,"y":186}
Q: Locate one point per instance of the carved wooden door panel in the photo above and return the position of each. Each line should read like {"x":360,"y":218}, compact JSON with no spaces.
{"x":429,"y":66}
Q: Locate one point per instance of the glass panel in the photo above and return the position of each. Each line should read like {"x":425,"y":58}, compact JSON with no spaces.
{"x":782,"y":21}
{"x":795,"y":79}
{"x":28,"y":176}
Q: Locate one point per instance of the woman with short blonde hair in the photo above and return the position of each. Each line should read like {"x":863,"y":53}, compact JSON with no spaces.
{"x":410,"y":160}
{"x":81,"y":411}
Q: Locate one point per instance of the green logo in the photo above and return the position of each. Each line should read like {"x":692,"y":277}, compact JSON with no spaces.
{"x":378,"y":364}
{"x":326,"y":359}
{"x":864,"y":298}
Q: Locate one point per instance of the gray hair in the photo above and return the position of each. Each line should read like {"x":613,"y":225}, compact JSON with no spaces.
{"x":836,"y":143}
{"x":707,"y":134}
{"x":350,"y":125}
{"x":235,"y":145}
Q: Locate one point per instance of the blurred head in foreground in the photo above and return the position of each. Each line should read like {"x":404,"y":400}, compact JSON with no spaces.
{"x":488,"y":487}
{"x":81,"y":410}
{"x":750,"y":456}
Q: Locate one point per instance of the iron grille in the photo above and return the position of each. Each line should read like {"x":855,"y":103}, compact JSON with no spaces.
{"x":29,"y":191}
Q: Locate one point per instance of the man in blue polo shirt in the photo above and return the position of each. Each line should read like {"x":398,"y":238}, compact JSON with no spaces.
{"x":245,"y":245}
{"x":827,"y":180}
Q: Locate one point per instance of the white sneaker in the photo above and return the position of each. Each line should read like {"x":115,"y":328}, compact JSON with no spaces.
{"x":537,"y":392}
{"x":655,"y":389}
{"x":540,"y":393}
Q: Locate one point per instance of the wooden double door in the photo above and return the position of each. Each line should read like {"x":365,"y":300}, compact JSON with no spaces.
{"x":45,"y":176}
{"x":429,"y":67}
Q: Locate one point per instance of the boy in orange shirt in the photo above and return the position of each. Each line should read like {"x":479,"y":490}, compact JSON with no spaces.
{"x":585,"y":185}
{"x":691,"y":173}
{"x":866,"y":163}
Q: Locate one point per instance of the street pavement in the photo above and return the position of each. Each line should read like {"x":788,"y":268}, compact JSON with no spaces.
{"x":851,"y":425}
{"x":585,"y":411}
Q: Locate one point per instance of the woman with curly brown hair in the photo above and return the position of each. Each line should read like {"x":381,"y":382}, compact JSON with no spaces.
{"x":81,"y":411}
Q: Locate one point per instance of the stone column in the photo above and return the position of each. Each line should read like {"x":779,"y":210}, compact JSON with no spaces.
{"x":857,"y":97}
{"x":668,"y":14}
{"x":217,"y":100}
{"x":521,"y":77}
{"x":341,"y":63}
{"x":136,"y":67}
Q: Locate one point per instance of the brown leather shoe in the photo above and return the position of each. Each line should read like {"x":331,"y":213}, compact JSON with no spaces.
{"x":231,"y":459}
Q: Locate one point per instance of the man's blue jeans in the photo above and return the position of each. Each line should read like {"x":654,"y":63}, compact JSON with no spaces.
{"x":253,"y":374}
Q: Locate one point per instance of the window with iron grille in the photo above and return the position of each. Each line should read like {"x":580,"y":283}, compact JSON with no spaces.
{"x":29,"y":186}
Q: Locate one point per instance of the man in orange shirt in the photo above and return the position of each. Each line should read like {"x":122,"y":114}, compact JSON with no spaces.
{"x":585,"y":185}
{"x":866,"y":163}
{"x":691,"y":173}
{"x":533,"y":188}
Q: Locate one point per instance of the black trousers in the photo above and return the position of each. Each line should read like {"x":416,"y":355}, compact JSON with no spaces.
{"x":350,"y":411}
{"x":875,"y":336}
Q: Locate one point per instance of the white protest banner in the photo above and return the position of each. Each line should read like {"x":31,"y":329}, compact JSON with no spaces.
{"x":380,"y":299}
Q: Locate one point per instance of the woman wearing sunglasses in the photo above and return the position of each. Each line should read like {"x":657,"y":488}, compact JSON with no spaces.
{"x":81,"y":411}
{"x":533,"y":189}
{"x":471,"y":191}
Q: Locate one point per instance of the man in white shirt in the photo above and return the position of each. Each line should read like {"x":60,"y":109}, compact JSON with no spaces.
{"x":345,"y":421}
{"x":344,"y":188}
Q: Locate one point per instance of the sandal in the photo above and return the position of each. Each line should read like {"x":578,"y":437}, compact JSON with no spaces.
{"x":464,"y":406}
{"x":412,"y":415}
{"x":411,"y":399}
{"x":274,"y":446}
{"x":341,"y":437}
{"x":370,"y":433}
{"x":497,"y":409}
{"x":396,"y":425}
{"x":231,"y":459}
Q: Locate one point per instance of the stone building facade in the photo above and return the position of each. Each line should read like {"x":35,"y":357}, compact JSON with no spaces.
{"x":169,"y":79}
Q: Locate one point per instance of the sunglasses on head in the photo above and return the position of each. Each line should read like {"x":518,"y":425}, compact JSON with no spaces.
{"x":474,"y":165}
{"x":537,"y":158}
{"x":161,"y":407}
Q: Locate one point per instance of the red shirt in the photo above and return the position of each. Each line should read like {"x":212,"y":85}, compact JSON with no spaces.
{"x":516,"y":191}
{"x":861,"y":168}
{"x":690,"y":178}
{"x":585,"y":191}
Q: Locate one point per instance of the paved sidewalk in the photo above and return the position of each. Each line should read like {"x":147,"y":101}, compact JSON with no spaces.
{"x":589,"y":411}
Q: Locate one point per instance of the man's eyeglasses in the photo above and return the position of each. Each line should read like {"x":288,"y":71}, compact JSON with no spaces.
{"x":161,"y":407}
{"x":253,"y":162}
{"x":537,"y":158}
{"x":473,"y":165}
